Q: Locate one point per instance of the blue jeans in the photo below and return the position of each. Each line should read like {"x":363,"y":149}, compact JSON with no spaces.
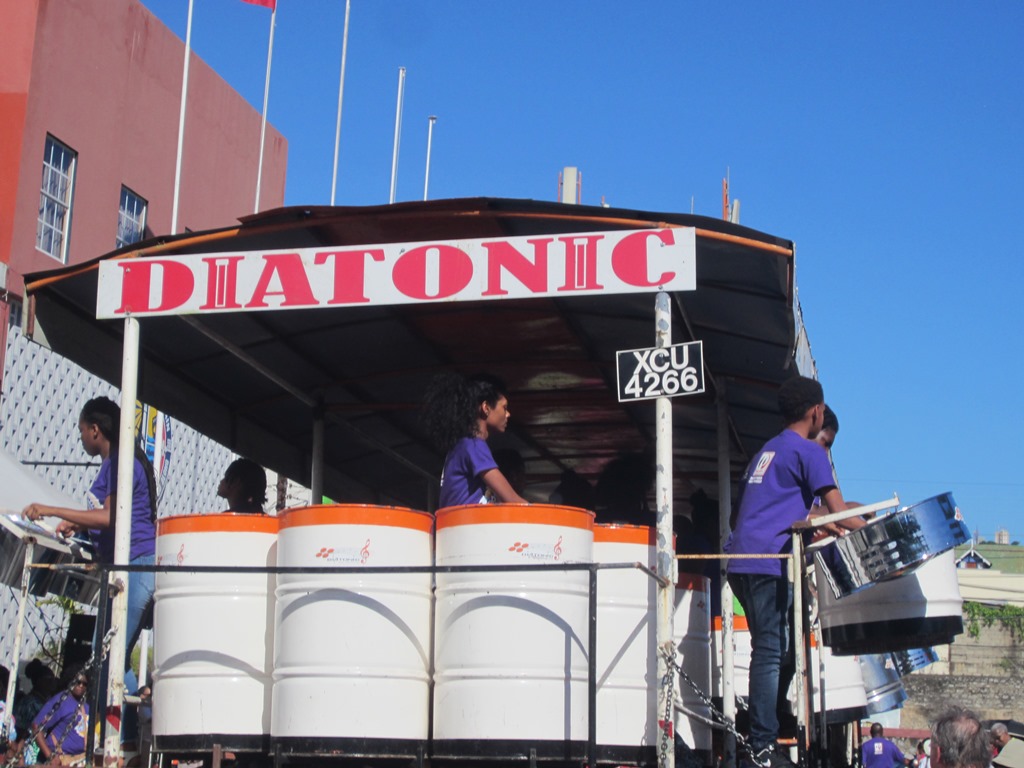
{"x":140,"y":594}
{"x":767,"y":602}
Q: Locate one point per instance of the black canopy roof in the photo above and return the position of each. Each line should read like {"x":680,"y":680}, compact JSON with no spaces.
{"x":253,"y":381}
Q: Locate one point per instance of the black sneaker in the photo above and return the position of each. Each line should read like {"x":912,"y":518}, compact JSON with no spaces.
{"x":766,"y":757}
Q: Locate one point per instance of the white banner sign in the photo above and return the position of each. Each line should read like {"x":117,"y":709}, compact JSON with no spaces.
{"x":581,"y":264}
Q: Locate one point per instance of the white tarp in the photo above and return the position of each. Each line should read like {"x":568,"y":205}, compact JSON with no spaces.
{"x":992,"y":587}
{"x":20,"y":486}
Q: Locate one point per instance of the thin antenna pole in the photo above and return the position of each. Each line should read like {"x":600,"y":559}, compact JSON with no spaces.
{"x":263,"y":122}
{"x":181,"y":121}
{"x":430,"y":138}
{"x":398,"y":132}
{"x":341,"y":92}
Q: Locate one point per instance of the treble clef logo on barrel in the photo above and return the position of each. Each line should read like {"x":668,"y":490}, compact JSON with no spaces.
{"x":364,"y":553}
{"x":557,"y":549}
{"x":181,"y":555}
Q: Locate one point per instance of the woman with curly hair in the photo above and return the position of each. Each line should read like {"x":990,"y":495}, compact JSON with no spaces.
{"x":460,"y":414}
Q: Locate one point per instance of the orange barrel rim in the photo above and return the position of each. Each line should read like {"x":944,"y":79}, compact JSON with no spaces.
{"x":357,"y":514}
{"x":218,"y":522}
{"x":531,"y":514}
{"x":623,"y":533}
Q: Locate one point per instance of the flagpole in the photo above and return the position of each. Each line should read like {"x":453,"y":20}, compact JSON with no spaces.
{"x":430,"y":137}
{"x":266,"y":96}
{"x":398,"y":132}
{"x":341,"y":92}
{"x":181,"y":122}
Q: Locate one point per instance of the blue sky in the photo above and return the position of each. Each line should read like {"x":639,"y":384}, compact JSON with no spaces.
{"x":883,"y":138}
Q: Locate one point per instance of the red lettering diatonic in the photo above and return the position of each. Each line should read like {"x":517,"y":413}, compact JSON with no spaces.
{"x":295,"y":289}
{"x":531,"y":274}
{"x":630,"y":258}
{"x":581,"y":263}
{"x":454,"y":271}
{"x":349,"y":270}
{"x":137,"y":280}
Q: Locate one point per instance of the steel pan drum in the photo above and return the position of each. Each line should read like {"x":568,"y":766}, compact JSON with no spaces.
{"x":914,"y":659}
{"x":891,"y":546}
{"x":920,"y":609}
{"x":882,"y":685}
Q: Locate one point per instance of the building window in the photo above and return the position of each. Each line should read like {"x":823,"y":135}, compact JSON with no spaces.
{"x":131,"y":218}
{"x":54,"y":223}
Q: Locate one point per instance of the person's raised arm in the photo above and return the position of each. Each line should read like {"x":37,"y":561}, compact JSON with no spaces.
{"x":500,"y":487}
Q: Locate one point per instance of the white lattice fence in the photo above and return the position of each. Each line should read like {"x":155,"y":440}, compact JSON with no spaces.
{"x":43,"y":394}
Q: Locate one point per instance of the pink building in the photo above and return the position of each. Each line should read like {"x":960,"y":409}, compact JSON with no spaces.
{"x":89,"y":109}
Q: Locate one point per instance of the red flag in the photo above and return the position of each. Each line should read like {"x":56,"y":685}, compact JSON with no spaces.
{"x":271,"y":4}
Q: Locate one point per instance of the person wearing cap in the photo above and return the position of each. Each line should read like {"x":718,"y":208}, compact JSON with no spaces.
{"x":59,"y":728}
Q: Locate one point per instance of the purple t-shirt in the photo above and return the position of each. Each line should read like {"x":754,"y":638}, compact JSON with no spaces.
{"x":776,"y":491}
{"x":143,"y":530}
{"x":460,"y":482}
{"x":65,"y":727}
{"x":880,"y":753}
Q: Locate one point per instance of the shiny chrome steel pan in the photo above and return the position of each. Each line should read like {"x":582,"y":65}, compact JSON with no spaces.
{"x":893,"y":545}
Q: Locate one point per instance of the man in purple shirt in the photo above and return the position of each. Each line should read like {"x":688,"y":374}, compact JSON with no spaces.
{"x":61,"y":724}
{"x":879,"y":752}
{"x":776,"y":491}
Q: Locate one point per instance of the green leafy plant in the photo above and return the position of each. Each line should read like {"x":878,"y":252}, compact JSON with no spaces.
{"x":1010,"y":617}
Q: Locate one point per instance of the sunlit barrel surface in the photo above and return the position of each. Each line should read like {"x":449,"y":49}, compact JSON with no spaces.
{"x":352,"y":658}
{"x":214,"y":634}
{"x":510,"y":647}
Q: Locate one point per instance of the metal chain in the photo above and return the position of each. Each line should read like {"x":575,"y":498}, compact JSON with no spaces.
{"x":15,"y":756}
{"x":717,"y":715}
{"x":668,"y":724}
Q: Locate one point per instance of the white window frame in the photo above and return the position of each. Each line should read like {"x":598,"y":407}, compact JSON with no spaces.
{"x":131,"y":218}
{"x":57,"y":189}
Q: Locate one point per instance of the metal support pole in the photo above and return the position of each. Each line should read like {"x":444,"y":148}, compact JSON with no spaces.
{"x":95,"y":704}
{"x":796,"y":575}
{"x":19,"y":631}
{"x":430,"y":140}
{"x":398,"y":133}
{"x":181,"y":121}
{"x":263,"y":121}
{"x":341,"y":96}
{"x":665,"y":557}
{"x":122,"y":541}
{"x":316,"y":483}
{"x":592,"y":672}
{"x":724,"y":511}
{"x":144,"y":642}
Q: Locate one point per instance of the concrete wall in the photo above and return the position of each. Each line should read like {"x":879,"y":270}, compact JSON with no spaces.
{"x":984,"y":673}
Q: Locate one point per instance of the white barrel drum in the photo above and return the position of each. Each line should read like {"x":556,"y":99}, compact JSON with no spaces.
{"x":919,"y":609}
{"x":844,"y":694}
{"x":352,"y":657}
{"x":213,"y":634}
{"x":691,"y":634}
{"x":627,"y":664}
{"x":510,"y":648}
